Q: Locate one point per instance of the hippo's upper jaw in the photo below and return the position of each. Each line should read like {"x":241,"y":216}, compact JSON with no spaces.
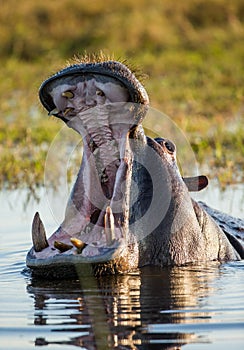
{"x":101,"y":107}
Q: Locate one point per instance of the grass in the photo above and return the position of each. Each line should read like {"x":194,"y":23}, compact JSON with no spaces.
{"x":192,"y":53}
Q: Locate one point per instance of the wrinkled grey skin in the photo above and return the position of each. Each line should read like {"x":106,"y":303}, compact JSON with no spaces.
{"x":187,"y":233}
{"x":129,"y":206}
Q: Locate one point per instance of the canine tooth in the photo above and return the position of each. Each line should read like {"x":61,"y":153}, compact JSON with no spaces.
{"x":78,"y":244}
{"x":38,"y":234}
{"x":68,"y":94}
{"x":63,"y":247}
{"x":109,"y":225}
{"x":54,"y":112}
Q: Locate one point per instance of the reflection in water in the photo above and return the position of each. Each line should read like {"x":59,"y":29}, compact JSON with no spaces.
{"x":143,"y":310}
{"x":150,"y":309}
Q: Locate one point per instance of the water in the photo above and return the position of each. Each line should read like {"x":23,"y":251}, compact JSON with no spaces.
{"x":197,"y":307}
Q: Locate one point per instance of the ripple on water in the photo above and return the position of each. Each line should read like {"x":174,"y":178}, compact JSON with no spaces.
{"x":197,"y":307}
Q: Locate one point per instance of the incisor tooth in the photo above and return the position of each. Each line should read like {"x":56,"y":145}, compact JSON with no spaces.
{"x":68,"y":94}
{"x":78,"y":244}
{"x":38,"y":234}
{"x":109,"y":226}
{"x":54,"y":112}
{"x":63,"y":247}
{"x":67,"y":111}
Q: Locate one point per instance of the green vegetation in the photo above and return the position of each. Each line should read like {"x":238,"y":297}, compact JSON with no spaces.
{"x":192,"y":52}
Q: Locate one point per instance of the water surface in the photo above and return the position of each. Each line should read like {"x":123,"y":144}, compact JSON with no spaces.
{"x":197,"y":307}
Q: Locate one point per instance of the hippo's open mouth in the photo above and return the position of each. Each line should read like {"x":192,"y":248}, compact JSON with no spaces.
{"x":102,"y":109}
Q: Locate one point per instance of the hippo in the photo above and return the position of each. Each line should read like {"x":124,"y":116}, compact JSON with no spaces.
{"x":129,"y":206}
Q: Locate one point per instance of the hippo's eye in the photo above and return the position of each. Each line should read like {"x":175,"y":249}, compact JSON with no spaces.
{"x":100,"y":93}
{"x":169,"y":146}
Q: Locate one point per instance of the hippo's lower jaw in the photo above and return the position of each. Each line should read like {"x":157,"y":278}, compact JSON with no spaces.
{"x":62,"y":256}
{"x":107,"y":261}
{"x":66,"y":257}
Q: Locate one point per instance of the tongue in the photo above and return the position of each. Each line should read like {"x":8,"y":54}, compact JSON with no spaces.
{"x":98,"y":209}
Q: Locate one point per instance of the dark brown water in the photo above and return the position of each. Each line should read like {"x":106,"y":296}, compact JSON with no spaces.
{"x":197,"y":307}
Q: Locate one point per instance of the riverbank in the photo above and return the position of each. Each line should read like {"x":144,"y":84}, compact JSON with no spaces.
{"x":192,"y":56}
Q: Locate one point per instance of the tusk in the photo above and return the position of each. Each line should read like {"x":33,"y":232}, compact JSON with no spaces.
{"x":63,"y":247}
{"x":68,"y":94}
{"x":78,"y":244}
{"x":38,"y":234}
{"x":109,"y":226}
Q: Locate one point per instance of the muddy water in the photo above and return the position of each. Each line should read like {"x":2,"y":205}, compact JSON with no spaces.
{"x":198,"y":307}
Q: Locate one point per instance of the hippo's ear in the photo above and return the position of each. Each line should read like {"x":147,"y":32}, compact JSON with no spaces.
{"x":196,"y":183}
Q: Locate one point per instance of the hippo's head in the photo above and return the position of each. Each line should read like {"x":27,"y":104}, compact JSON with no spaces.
{"x":129,"y":206}
{"x":105,"y":103}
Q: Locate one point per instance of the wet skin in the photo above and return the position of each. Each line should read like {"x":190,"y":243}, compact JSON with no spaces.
{"x":129,"y":206}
